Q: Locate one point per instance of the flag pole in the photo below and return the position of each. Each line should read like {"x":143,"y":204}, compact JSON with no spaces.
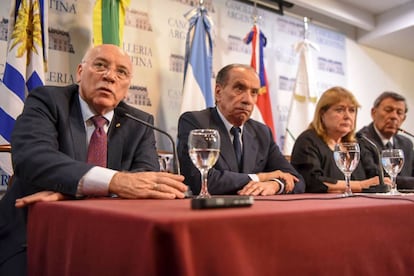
{"x":255,"y":13}
{"x":303,"y":100}
{"x":263,"y":109}
{"x":305,"y":28}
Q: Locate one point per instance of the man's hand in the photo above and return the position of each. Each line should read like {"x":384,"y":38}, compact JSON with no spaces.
{"x":40,"y":196}
{"x":148,"y":185}
{"x":288,"y":178}
{"x":260,"y":188}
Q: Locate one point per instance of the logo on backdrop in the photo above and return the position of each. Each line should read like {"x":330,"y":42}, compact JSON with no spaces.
{"x":4,"y":179}
{"x":243,"y":13}
{"x":293,"y":28}
{"x":236,"y":44}
{"x":63,"y":6}
{"x":178,"y":28}
{"x":141,"y":55}
{"x":138,"y":95}
{"x":330,"y":38}
{"x":137,"y":19}
{"x":330,"y":66}
{"x":4,"y":28}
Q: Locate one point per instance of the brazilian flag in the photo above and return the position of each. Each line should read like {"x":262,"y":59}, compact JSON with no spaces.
{"x":108,"y":21}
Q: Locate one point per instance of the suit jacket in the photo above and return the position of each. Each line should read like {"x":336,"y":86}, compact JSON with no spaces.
{"x":405,"y":179}
{"x":49,"y":153}
{"x":313,"y":158}
{"x":260,"y":154}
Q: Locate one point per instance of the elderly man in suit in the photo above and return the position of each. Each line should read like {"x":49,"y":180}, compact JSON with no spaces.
{"x":388,"y":114}
{"x":259,"y":168}
{"x":50,"y":153}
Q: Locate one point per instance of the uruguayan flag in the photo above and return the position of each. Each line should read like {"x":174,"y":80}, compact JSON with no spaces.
{"x":25,"y":63}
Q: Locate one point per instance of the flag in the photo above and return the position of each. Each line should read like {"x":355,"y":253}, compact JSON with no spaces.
{"x":197,"y":93}
{"x":26,"y":63}
{"x":258,"y":40}
{"x":108,"y":21}
{"x":304,"y":97}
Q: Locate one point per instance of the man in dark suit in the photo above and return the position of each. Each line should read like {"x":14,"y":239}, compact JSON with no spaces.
{"x":50,"y":148}
{"x":262,"y":170}
{"x":388,"y":114}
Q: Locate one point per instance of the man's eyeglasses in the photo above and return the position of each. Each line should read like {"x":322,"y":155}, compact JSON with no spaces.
{"x":104,"y":68}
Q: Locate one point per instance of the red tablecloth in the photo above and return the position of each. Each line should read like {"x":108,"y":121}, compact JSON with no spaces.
{"x":350,"y":236}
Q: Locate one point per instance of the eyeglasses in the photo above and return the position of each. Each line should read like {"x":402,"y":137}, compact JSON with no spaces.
{"x":104,"y":68}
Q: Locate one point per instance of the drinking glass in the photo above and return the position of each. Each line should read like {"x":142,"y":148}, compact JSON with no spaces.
{"x":392,"y":162}
{"x":204,"y":150}
{"x":346,"y":157}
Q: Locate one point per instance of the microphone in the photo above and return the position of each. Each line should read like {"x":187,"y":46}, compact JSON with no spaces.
{"x":381,"y":188}
{"x":406,"y":132}
{"x":176,"y":165}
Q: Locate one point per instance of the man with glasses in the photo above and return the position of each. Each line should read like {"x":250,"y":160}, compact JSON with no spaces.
{"x":75,"y":142}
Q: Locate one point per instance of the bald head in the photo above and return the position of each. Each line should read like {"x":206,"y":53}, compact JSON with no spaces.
{"x":104,"y":77}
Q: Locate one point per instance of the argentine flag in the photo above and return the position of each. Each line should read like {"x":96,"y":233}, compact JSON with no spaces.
{"x":197,"y":92}
{"x":25,"y":63}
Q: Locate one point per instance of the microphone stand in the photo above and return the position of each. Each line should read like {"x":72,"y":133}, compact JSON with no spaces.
{"x":176,"y":166}
{"x":381,"y":188}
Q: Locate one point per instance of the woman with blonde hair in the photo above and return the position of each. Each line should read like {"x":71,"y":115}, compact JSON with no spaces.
{"x":312,"y":155}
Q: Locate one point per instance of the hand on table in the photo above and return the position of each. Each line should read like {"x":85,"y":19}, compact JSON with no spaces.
{"x":148,"y":185}
{"x":39,"y":196}
{"x":264,"y":188}
{"x":289,"y":179}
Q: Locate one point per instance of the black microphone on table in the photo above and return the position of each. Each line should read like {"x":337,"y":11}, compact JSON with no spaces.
{"x":406,"y":132}
{"x":381,"y":187}
{"x":176,"y":165}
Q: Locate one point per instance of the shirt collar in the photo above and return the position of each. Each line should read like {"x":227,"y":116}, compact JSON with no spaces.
{"x":227,"y":124}
{"x":383,"y":139}
{"x":87,"y":112}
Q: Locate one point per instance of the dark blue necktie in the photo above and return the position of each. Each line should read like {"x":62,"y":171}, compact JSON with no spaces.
{"x":388,"y":145}
{"x":235,"y":131}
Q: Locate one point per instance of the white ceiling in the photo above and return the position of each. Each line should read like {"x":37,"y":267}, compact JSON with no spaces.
{"x":387,"y":25}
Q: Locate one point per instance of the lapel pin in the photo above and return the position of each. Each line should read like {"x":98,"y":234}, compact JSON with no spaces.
{"x":117,"y":125}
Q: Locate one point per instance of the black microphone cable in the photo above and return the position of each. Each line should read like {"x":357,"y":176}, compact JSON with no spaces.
{"x":336,"y":197}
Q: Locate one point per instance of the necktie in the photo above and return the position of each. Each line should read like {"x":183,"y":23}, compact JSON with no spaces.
{"x":235,"y":131}
{"x":388,"y":145}
{"x":97,"y":149}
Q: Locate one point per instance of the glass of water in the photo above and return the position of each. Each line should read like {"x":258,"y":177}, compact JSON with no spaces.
{"x":392,"y":162}
{"x":204,"y":150}
{"x":346,"y":157}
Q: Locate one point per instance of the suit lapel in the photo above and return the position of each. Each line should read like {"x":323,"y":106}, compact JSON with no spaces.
{"x":77,"y":128}
{"x":396,"y":144}
{"x":115,"y":140}
{"x":226,"y":149}
{"x":374,"y":135}
{"x":249,"y":148}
